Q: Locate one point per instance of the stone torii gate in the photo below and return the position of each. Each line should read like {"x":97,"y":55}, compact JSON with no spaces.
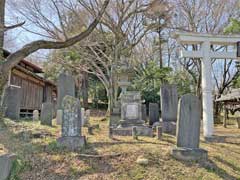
{"x":206,"y":54}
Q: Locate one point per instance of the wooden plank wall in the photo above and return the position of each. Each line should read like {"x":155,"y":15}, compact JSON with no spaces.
{"x":32,"y":91}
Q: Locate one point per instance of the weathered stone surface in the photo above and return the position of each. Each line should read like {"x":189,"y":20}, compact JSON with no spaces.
{"x":71,"y":125}
{"x":189,"y":154}
{"x":169,"y":103}
{"x":169,"y":127}
{"x":159,"y":132}
{"x":12,"y":102}
{"x":35,"y":115}
{"x":127,"y":131}
{"x":65,"y":86}
{"x":46,"y":114}
{"x":153,"y":113}
{"x":141,"y":160}
{"x":188,"y":124}
{"x":131,"y":111}
{"x":72,"y":143}
{"x":144,"y":112}
{"x":83,"y":116}
{"x":59,"y":116}
{"x":6,"y":162}
{"x":188,"y":130}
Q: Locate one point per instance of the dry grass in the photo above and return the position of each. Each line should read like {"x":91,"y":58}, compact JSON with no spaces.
{"x":43,"y":159}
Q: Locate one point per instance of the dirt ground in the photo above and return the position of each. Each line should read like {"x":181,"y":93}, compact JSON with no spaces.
{"x":40,"y":157}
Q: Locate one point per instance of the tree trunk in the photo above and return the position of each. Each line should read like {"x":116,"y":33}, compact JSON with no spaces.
{"x":85,"y":89}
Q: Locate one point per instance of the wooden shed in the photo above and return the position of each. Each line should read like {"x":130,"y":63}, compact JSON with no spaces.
{"x":35,"y":89}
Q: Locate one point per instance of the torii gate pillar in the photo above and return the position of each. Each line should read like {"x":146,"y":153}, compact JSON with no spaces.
{"x":205,"y":54}
{"x":207,"y":100}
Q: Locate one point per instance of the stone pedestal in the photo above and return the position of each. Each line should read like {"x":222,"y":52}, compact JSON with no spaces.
{"x":72,"y":143}
{"x":189,"y":154}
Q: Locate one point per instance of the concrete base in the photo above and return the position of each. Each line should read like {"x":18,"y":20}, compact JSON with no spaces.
{"x":127,"y":131}
{"x":124,"y":123}
{"x":188,"y":154}
{"x":6,"y":162}
{"x":169,"y":127}
{"x":72,"y":143}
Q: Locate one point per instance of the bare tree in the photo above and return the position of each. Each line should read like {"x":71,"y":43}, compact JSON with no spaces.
{"x":32,"y":47}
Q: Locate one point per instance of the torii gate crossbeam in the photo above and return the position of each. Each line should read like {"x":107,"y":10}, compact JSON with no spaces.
{"x":205,"y":54}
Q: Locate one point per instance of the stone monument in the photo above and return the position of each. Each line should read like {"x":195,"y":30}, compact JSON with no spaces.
{"x":153,"y":113}
{"x":188,"y":130}
{"x":65,"y":86}
{"x":46,"y":114}
{"x":35,"y":115}
{"x":71,"y":124}
{"x":169,"y":104}
{"x":12,"y":102}
{"x":59,"y":116}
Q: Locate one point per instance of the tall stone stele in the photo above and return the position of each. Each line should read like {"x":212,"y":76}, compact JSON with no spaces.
{"x":188,"y":130}
{"x":12,"y":102}
{"x":169,"y":105}
{"x":65,"y":86}
{"x":46,"y":114}
{"x":71,"y":124}
{"x":153,"y":113}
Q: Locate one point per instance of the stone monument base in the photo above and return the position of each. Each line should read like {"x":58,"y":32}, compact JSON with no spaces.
{"x":189,"y":154}
{"x":124,"y":123}
{"x":127,"y":131}
{"x":6,"y":161}
{"x":72,"y":143}
{"x":169,"y":127}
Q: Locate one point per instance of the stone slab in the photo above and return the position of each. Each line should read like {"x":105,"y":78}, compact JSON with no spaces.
{"x":189,"y":154}
{"x":46,"y":114}
{"x":153,"y":113}
{"x":144,"y":112}
{"x":72,"y":143}
{"x":188,"y":124}
{"x":169,"y":102}
{"x":12,"y":102}
{"x":35,"y":115}
{"x":65,"y":86}
{"x":127,"y":131}
{"x":71,"y":125}
{"x":6,"y":162}
{"x":169,"y":127}
{"x":59,"y":116}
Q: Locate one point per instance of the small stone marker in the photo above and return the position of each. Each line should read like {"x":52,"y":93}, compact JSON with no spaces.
{"x":71,"y":125}
{"x":169,"y":104}
{"x":144,"y":112}
{"x":153,"y":113}
{"x":59,"y":116}
{"x":12,"y":101}
{"x":35,"y":115}
{"x":83,"y":116}
{"x":141,"y":160}
{"x":134,"y":132}
{"x":65,"y":86}
{"x":47,"y":114}
{"x":188,"y":130}
{"x":159,"y":132}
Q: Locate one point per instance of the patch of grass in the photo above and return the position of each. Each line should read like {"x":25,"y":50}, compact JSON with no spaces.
{"x":19,"y":165}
